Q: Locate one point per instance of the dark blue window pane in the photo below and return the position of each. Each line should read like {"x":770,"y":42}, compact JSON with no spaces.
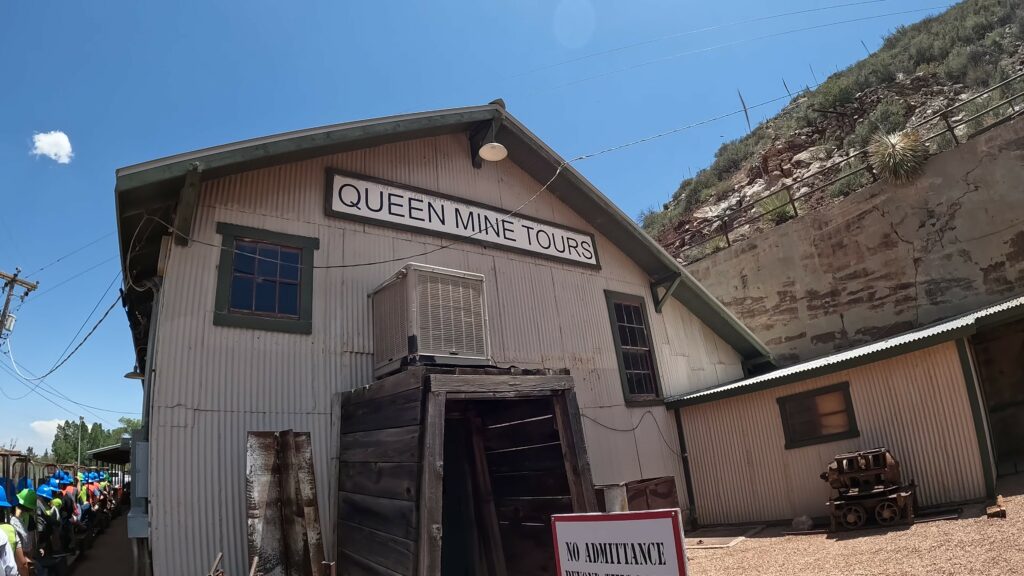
{"x":241,"y":293}
{"x":288,"y":299}
{"x":266,"y":266}
{"x":266,"y":296}
{"x":290,"y":264}
{"x":244,"y":263}
{"x":619,"y":315}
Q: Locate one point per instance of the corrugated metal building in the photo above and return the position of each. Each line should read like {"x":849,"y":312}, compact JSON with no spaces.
{"x":213,"y":373}
{"x":922,"y":394}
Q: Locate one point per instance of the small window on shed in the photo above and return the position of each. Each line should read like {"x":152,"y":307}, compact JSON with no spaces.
{"x":634,"y":346}
{"x":818,"y":416}
{"x":265,"y":280}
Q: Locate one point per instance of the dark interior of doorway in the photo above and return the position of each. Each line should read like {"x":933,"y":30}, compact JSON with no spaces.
{"x":504,"y":477}
{"x":999,"y":355}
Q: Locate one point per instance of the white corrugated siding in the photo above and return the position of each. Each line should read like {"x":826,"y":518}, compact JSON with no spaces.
{"x":215,"y":383}
{"x":915,"y":404}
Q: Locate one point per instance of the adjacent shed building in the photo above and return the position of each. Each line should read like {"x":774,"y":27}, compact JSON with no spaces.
{"x":940,"y":398}
{"x":248,"y":268}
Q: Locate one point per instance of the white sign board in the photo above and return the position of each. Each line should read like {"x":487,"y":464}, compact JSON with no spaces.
{"x":372,"y":200}
{"x":648,"y":543}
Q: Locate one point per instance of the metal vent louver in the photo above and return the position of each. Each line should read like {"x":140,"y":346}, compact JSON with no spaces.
{"x":429,"y":315}
{"x":451,"y":315}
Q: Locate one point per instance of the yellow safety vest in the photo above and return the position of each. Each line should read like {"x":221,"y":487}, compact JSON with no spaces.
{"x":12,"y":536}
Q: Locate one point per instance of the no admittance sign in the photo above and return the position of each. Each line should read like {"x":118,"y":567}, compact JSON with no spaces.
{"x":646,"y":543}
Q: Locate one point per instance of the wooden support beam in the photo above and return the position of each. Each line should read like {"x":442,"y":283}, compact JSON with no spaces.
{"x":493,"y":551}
{"x":431,"y":486}
{"x":574,"y":450}
{"x":498,"y":383}
{"x":660,"y":299}
{"x":188,"y":204}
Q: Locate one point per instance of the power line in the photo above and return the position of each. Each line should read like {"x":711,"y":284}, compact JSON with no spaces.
{"x":741,"y":41}
{"x":53,"y":390}
{"x":70,"y":354}
{"x":36,"y":391}
{"x":66,"y":280}
{"x":91,"y":312}
{"x":72,"y":253}
{"x":690,"y":32}
{"x":405,"y":258}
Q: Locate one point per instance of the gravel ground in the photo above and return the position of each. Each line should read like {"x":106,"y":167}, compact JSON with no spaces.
{"x":974,"y":545}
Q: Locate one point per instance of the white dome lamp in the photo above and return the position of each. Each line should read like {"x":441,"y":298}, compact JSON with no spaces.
{"x":493,"y":152}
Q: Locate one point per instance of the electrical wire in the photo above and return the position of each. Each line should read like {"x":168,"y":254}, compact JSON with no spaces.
{"x":33,"y":298}
{"x":72,"y":253}
{"x":690,"y":32}
{"x":47,"y":398}
{"x":406,"y":258}
{"x":72,"y":353}
{"x":664,"y":439}
{"x":91,"y":312}
{"x":53,"y":390}
{"x":737,"y":42}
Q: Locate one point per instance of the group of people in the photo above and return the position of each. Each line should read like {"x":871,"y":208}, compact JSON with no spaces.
{"x":39,"y":527}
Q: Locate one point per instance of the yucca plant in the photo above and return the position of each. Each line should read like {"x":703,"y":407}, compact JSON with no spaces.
{"x":776,"y":207}
{"x":899,"y":156}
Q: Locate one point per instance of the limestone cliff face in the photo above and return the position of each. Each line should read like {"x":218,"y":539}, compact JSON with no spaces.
{"x":920,"y":71}
{"x":888,"y":258}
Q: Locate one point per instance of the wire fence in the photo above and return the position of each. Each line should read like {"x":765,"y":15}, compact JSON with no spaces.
{"x":958,"y":124}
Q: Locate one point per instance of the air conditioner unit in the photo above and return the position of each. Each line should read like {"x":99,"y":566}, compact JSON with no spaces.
{"x":425,"y":315}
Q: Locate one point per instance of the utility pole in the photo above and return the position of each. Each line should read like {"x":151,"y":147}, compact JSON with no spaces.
{"x":81,"y":422}
{"x":11,"y":282}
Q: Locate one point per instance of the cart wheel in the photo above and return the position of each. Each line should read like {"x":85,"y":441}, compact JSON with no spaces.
{"x":853,"y":516}
{"x":887,"y":513}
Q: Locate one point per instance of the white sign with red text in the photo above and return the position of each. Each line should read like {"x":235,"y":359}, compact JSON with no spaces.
{"x":648,"y":543}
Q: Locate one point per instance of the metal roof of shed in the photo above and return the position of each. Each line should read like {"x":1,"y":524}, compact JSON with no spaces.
{"x":147,"y":186}
{"x":114,"y":454}
{"x":907,"y":342}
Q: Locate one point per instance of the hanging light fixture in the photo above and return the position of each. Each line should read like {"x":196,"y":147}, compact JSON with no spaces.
{"x":493,"y":152}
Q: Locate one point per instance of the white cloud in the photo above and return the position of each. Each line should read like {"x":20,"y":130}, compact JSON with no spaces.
{"x":45,"y":430}
{"x":54,"y":145}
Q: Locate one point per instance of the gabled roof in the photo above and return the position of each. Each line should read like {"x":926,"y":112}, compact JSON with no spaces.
{"x":156,"y":185}
{"x":919,"y":339}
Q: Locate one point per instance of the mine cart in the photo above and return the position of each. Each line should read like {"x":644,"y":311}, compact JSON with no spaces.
{"x":868,"y":490}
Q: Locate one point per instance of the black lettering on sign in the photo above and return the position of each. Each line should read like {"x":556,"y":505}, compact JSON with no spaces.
{"x":587,"y":248}
{"x":414,"y":209}
{"x":380,"y":201}
{"x":543,"y":239}
{"x":433,"y":213}
{"x":572,"y":551}
{"x":468,"y":223}
{"x":573,"y":246}
{"x":529,"y":234}
{"x":507,"y":231}
{"x":393,"y":204}
{"x":352,"y":202}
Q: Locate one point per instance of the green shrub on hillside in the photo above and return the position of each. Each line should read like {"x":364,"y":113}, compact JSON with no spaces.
{"x":889,"y":116}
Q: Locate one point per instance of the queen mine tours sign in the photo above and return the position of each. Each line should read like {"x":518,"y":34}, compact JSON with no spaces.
{"x":646,"y":543}
{"x":401,"y":206}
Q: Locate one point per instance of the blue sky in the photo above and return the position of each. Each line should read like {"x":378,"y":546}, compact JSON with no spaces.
{"x":132,"y":81}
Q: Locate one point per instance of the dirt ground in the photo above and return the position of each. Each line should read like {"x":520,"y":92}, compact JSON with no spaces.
{"x":973,"y":544}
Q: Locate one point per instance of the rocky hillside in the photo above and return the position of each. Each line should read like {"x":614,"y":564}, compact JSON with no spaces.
{"x":919,"y":71}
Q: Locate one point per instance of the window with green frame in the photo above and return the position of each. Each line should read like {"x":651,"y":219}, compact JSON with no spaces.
{"x":818,"y":416}
{"x":264,"y":280}
{"x":634,"y":347}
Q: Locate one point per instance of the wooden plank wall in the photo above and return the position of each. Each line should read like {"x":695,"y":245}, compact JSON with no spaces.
{"x":379,"y":477}
{"x":528,"y":478}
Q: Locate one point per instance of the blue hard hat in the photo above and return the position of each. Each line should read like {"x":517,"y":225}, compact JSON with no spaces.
{"x":3,"y":498}
{"x":52,"y":482}
{"x":45,"y":491}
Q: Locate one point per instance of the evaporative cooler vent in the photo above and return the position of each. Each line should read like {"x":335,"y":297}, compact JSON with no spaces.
{"x":429,"y":315}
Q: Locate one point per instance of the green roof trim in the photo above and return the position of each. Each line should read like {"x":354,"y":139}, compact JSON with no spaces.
{"x":158,"y":183}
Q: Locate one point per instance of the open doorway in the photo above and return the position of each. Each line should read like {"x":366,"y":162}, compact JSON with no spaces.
{"x":505,"y":475}
{"x":999,"y":356}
